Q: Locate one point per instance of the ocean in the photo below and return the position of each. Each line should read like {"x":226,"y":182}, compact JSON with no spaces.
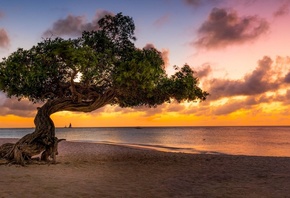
{"x":250,"y":141}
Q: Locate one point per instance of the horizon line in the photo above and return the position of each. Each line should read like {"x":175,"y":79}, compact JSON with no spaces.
{"x":163,"y":126}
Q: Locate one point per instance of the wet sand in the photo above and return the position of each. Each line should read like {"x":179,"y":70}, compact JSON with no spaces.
{"x":100,"y":170}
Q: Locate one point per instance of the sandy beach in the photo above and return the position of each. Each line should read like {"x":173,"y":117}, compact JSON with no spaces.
{"x":100,"y":170}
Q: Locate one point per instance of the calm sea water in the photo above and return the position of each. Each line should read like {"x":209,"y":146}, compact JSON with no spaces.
{"x":255,"y":141}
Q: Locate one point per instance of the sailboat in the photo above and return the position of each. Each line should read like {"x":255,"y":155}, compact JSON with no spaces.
{"x":70,"y":126}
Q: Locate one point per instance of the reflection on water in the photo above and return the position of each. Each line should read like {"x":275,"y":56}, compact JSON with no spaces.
{"x":260,"y":141}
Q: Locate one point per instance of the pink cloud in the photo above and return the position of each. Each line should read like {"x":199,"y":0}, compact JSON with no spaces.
{"x":198,"y":3}
{"x":2,"y":14}
{"x":194,"y":3}
{"x":224,"y":27}
{"x":165,"y":57}
{"x":4,"y":39}
{"x":257,"y":82}
{"x":204,"y":71}
{"x":164,"y":53}
{"x":161,"y":21}
{"x":13,"y":106}
{"x":282,"y":10}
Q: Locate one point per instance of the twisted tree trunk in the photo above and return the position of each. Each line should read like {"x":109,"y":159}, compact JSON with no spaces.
{"x":34,"y":143}
{"x":43,"y":139}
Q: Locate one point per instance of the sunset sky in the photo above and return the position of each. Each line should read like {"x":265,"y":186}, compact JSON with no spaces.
{"x":240,"y":50}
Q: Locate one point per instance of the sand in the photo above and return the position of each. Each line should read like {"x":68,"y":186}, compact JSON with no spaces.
{"x":100,"y":170}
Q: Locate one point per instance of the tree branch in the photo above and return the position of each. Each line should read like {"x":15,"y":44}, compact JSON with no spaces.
{"x":68,"y":104}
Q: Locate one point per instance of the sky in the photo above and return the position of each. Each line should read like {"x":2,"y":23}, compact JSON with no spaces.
{"x":239,"y":50}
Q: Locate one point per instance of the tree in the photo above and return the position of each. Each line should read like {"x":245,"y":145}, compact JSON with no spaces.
{"x":83,"y":74}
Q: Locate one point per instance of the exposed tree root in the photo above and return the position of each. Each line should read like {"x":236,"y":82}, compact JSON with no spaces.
{"x":48,"y":156}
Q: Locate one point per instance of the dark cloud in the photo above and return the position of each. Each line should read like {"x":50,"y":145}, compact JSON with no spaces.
{"x":287,"y":78}
{"x":149,"y":46}
{"x":226,"y":3}
{"x":283,"y":98}
{"x":257,"y":82}
{"x":11,"y":106}
{"x":198,"y":3}
{"x":75,"y":25}
{"x":251,"y":103}
{"x":282,"y":10}
{"x":224,"y":27}
{"x":287,"y":96}
{"x":4,"y":39}
{"x":194,"y":3}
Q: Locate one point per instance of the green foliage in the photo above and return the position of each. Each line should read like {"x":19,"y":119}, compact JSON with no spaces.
{"x":101,"y":60}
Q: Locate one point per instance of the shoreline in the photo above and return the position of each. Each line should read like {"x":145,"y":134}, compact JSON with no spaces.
{"x":157,"y":148}
{"x":165,"y":149}
{"x":105,"y":170}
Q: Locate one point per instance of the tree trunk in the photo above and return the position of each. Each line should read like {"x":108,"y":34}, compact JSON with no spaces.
{"x":34,"y":143}
{"x":43,"y":139}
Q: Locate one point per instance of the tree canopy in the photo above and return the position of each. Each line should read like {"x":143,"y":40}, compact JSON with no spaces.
{"x":83,"y":74}
{"x":104,"y":61}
